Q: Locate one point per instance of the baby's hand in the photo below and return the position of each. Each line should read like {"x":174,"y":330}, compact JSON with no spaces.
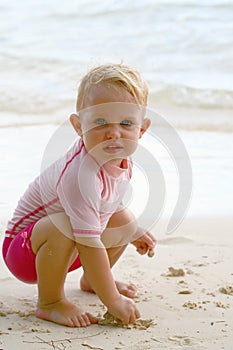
{"x":124,"y":309}
{"x":145,"y":244}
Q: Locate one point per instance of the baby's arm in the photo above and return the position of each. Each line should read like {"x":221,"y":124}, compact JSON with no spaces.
{"x":97,"y":269}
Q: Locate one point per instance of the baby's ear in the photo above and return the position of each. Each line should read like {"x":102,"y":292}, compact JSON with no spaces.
{"x":145,"y":125}
{"x":75,"y":121}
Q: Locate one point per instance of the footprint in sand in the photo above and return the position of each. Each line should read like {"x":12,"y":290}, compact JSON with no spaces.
{"x":181,"y":340}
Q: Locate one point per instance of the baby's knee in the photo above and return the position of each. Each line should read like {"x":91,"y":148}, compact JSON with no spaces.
{"x":120,"y":229}
{"x":55,"y":230}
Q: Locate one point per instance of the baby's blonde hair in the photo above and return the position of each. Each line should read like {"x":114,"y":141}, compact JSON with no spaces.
{"x":116,"y":74}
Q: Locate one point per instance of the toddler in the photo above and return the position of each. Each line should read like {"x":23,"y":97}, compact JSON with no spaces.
{"x":72,"y":214}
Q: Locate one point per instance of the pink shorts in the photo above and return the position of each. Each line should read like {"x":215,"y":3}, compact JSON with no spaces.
{"x":19,"y":257}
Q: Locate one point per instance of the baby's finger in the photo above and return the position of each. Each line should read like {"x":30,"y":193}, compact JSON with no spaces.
{"x":152,"y":237}
{"x":137,"y":313}
{"x":142,"y":250}
{"x":151,"y":253}
{"x":146,"y":239}
{"x":151,"y":244}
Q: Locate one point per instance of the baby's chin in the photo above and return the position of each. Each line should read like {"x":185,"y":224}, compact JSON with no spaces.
{"x":109,"y":160}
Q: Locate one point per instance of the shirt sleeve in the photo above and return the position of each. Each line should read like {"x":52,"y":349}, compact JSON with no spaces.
{"x":81,"y":198}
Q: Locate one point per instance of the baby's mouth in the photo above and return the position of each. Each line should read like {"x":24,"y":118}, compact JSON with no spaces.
{"x":113,"y":148}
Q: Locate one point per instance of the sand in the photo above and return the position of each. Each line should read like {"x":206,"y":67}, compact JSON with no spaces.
{"x":185,"y":292}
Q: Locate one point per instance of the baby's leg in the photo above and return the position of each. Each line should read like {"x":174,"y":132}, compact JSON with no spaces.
{"x":54,"y":253}
{"x":118,"y":234}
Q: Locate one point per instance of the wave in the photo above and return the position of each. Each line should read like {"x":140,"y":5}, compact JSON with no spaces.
{"x":36,"y":101}
{"x":225,"y":127}
{"x":192,"y":97}
{"x":192,"y":108}
{"x":92,"y":10}
{"x":195,"y":3}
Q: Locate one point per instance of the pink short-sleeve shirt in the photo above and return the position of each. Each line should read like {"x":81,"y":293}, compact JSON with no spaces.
{"x":77,"y":185}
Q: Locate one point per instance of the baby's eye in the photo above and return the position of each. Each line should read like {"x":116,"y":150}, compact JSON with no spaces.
{"x":126,"y":122}
{"x":100,"y":121}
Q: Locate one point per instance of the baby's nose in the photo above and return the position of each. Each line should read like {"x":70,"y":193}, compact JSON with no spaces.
{"x":113,"y":130}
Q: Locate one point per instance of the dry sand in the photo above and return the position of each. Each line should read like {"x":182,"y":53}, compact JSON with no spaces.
{"x":186,"y":289}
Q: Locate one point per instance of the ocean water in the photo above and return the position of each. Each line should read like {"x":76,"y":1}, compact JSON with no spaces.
{"x":184,"y":48}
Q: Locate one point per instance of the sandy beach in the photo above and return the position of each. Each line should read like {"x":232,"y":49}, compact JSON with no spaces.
{"x":186,"y":289}
{"x":184,"y":49}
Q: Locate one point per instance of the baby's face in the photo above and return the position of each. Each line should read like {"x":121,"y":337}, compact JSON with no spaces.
{"x":111,"y":123}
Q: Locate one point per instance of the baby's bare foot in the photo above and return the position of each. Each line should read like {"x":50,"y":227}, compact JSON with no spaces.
{"x":65,"y":313}
{"x":127,"y":289}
